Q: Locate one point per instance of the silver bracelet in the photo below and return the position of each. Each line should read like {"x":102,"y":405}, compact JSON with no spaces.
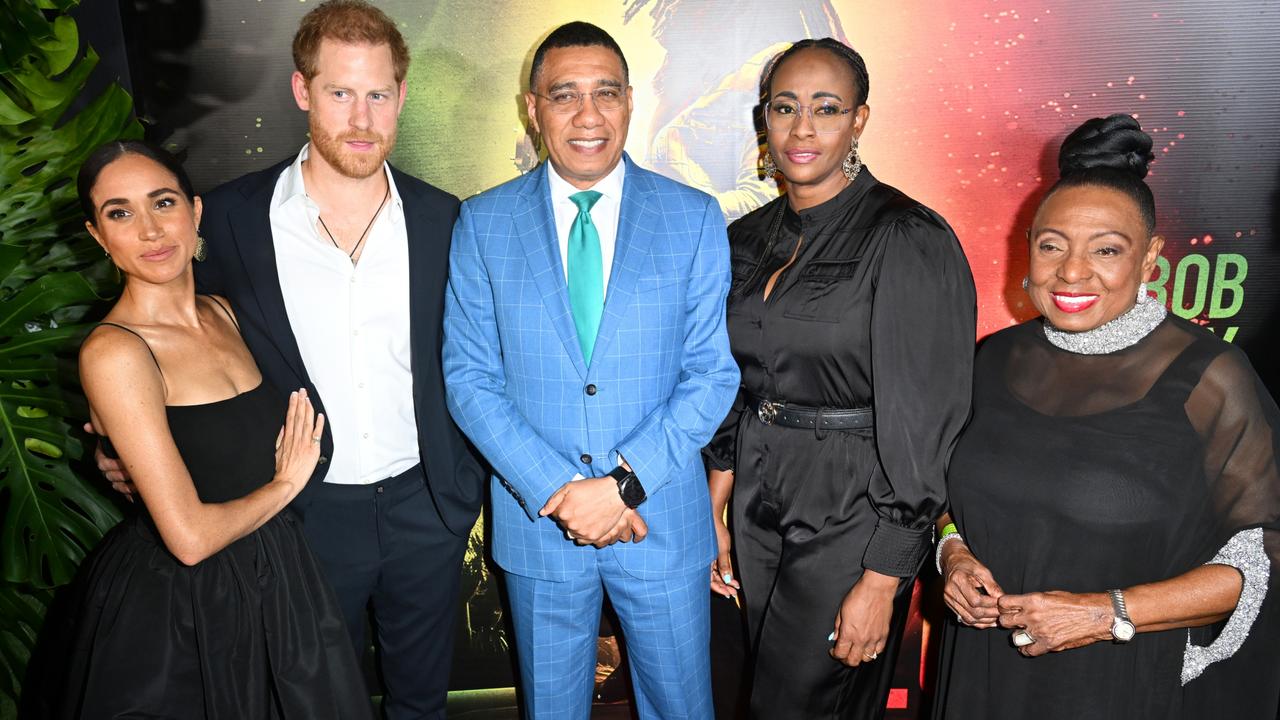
{"x":937,"y":553}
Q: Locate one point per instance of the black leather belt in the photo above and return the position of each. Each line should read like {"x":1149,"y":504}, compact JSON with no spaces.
{"x":772,"y":412}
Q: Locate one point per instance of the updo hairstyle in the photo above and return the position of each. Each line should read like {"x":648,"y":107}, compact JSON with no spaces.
{"x":857,"y":66}
{"x":106,"y":154}
{"x":1111,"y":152}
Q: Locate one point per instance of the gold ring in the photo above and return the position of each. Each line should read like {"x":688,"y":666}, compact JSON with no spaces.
{"x":315,"y":438}
{"x":1022,"y":638}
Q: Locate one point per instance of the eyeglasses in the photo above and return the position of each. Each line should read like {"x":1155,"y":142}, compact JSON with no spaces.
{"x":826,"y":117}
{"x":570,"y":101}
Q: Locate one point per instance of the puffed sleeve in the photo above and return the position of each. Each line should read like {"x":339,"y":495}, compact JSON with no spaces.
{"x":1239,"y":425}
{"x":923,"y":323}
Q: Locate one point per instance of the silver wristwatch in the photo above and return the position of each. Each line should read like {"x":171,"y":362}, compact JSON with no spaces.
{"x":1122,"y":630}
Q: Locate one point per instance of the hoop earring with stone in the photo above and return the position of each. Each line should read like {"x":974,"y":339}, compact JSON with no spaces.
{"x":852,"y":162}
{"x":202,"y":250}
{"x":768,"y":166}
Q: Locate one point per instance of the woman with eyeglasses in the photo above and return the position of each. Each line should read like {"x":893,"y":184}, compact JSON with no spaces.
{"x":852,"y":318}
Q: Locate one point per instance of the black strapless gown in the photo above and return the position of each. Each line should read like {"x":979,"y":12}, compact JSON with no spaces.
{"x":252,"y":632}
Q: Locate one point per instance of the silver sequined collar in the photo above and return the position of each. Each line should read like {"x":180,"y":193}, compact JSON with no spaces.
{"x":1136,"y":323}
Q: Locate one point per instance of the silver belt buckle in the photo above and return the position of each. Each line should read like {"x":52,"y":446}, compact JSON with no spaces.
{"x":767,"y":411}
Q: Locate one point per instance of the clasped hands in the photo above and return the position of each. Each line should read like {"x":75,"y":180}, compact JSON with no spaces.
{"x":1055,"y":620}
{"x":591,"y":512}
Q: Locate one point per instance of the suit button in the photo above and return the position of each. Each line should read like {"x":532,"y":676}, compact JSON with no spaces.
{"x":586,"y":459}
{"x":591,"y":389}
{"x":323,"y":460}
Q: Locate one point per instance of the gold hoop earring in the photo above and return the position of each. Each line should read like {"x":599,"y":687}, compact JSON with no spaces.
{"x":852,"y":162}
{"x":202,"y":250}
{"x":768,"y":166}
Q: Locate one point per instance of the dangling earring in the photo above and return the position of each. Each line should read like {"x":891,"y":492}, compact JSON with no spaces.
{"x":1143,"y":296}
{"x":1026,"y":283}
{"x":107,"y":253}
{"x":201,"y":250}
{"x":852,"y":162}
{"x":767,"y":165}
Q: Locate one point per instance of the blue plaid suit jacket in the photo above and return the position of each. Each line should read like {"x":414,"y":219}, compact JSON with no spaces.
{"x":663,"y":374}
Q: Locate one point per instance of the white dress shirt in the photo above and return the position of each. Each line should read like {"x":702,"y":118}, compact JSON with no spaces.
{"x":604,"y":214}
{"x":352,"y":326}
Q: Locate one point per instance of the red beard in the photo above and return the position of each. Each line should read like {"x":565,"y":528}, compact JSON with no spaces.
{"x":353,"y":165}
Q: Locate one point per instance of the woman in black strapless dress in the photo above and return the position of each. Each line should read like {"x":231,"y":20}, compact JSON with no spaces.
{"x":205,"y":602}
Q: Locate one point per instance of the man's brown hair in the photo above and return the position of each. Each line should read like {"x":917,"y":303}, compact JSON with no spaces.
{"x":354,"y":22}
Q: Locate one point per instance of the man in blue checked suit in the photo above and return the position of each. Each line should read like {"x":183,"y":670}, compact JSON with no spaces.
{"x":586,"y":356}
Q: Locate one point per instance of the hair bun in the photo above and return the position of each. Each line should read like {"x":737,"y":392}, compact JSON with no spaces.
{"x":1116,"y":142}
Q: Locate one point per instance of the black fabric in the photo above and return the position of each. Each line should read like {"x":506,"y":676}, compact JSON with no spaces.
{"x":252,"y":632}
{"x":877,"y":310}
{"x":382,"y":546}
{"x":1084,"y":473}
{"x":241,"y":266}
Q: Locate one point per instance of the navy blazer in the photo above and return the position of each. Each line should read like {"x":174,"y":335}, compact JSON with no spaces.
{"x":241,"y":266}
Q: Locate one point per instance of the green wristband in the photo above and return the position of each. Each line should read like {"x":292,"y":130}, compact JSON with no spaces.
{"x":947,"y":530}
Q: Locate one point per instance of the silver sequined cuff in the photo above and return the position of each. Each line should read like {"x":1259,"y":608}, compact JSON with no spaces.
{"x":1244,"y":552}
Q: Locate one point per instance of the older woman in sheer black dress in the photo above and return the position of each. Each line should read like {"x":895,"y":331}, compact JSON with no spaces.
{"x":1116,"y":492}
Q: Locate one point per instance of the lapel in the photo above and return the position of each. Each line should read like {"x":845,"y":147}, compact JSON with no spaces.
{"x":536,"y":228}
{"x":636,"y":222}
{"x":424,"y":294}
{"x":251,"y":231}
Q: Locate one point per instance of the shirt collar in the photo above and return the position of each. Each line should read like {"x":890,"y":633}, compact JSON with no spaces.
{"x":609,"y":186}
{"x":294,"y":187}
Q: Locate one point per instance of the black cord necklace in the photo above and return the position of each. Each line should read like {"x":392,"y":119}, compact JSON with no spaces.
{"x":352,"y":255}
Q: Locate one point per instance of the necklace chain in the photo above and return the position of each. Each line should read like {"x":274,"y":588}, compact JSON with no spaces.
{"x":352,"y":255}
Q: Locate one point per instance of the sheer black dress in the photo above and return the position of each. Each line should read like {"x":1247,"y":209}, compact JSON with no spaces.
{"x":252,"y":632}
{"x":877,"y":310}
{"x":1085,"y":473}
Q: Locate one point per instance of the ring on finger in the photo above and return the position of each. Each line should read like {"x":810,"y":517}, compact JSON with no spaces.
{"x":870,"y":655}
{"x":1022,"y":638}
{"x":315,"y":439}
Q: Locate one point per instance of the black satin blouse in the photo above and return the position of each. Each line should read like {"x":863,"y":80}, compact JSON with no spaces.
{"x":879,"y":310}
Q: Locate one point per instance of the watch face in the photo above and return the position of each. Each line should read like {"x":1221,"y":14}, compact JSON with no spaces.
{"x":1122,"y":630}
{"x":631,"y":491}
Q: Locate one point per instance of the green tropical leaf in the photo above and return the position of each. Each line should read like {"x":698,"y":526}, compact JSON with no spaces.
{"x":52,"y":275}
{"x":21,"y":616}
{"x":52,"y":518}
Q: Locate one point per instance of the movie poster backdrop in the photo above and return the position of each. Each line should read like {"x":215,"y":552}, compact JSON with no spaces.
{"x":969,"y":101}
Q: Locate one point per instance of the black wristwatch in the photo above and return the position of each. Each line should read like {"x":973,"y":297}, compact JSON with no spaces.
{"x":629,"y":486}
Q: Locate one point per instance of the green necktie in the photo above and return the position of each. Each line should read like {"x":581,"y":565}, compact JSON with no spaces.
{"x":586,"y":273}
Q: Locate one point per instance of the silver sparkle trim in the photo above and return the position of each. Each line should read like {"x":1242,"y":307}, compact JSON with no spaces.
{"x":1136,"y":323}
{"x":1244,"y":552}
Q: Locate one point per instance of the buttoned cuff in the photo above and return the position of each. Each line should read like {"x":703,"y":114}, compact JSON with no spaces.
{"x":896,"y":550}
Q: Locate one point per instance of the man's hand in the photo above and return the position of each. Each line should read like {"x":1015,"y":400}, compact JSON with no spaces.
{"x":587,"y":509}
{"x":630,"y":528}
{"x":111,"y":468}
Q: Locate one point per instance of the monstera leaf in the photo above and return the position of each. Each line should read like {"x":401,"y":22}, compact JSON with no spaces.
{"x":51,"y":276}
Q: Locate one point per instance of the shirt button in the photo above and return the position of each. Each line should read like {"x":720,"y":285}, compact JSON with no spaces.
{"x":586,"y":459}
{"x":365,"y":436}
{"x":591,"y":389}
